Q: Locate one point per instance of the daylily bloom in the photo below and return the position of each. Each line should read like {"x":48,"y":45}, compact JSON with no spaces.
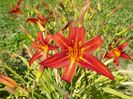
{"x":16,"y":9}
{"x":40,"y":21}
{"x":76,"y":51}
{"x":42,"y":18}
{"x":36,"y":21}
{"x":42,"y":47}
{"x":117,"y":53}
{"x":7,"y":81}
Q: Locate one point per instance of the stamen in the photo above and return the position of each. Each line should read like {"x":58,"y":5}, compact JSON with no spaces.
{"x":43,"y":47}
{"x":116,"y":52}
{"x":74,"y":53}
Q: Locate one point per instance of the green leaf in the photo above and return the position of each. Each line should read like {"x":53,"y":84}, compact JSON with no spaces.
{"x":15,"y":74}
{"x":114,"y":92}
{"x":23,"y":59}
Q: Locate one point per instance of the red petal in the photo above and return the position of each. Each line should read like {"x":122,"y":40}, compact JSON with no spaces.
{"x":90,"y":62}
{"x":48,"y":38}
{"x":72,"y":32}
{"x":51,"y":47}
{"x":61,"y":41}
{"x":34,"y":20}
{"x":40,"y":38}
{"x":93,"y":44}
{"x":121,"y":46}
{"x":36,"y":56}
{"x":55,"y":61}
{"x":43,"y":42}
{"x":16,"y":10}
{"x":125,"y":56}
{"x":69,"y":71}
{"x":8,"y":81}
{"x":116,"y":61}
{"x":110,"y":54}
{"x":77,"y":34}
{"x":42,"y":18}
{"x":35,"y":45}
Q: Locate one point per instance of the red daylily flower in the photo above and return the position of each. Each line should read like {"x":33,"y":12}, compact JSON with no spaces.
{"x":75,"y":50}
{"x":42,"y":18}
{"x":8,"y":81}
{"x":67,"y":95}
{"x":117,"y":53}
{"x":42,"y":47}
{"x":16,"y":9}
{"x":40,"y":21}
{"x":36,"y":21}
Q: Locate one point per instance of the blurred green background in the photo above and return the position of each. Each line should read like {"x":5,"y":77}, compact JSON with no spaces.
{"x":11,"y":35}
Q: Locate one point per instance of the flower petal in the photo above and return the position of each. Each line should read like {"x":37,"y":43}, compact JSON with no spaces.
{"x":55,"y":61}
{"x":123,"y":45}
{"x":36,"y":56}
{"x":93,"y":44}
{"x":7,"y":81}
{"x":69,"y":71}
{"x":116,"y":61}
{"x":40,"y":38}
{"x":125,"y":56}
{"x":34,"y":20}
{"x":35,"y":45}
{"x":52,"y":47}
{"x":77,"y":34}
{"x":72,"y":32}
{"x":90,"y":62}
{"x":110,"y":54}
{"x":42,"y":18}
{"x":37,"y":22}
{"x":48,"y":38}
{"x":16,"y":9}
{"x":61,"y":41}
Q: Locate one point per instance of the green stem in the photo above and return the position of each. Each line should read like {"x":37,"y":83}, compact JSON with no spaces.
{"x":15,"y":74}
{"x":2,"y":89}
{"x":114,"y":92}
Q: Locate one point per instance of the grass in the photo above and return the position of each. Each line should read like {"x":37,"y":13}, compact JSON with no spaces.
{"x":9,"y":28}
